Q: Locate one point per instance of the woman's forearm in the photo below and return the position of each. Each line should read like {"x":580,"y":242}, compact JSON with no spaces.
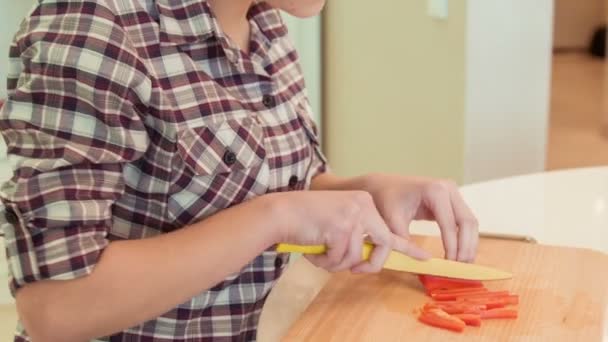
{"x":137,"y":280}
{"x":329,"y":181}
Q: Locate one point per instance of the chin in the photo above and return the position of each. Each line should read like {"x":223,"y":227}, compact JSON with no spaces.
{"x":304,"y":8}
{"x":307,"y":13}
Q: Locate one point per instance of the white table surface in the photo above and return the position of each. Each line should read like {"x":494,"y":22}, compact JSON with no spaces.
{"x":563,"y":208}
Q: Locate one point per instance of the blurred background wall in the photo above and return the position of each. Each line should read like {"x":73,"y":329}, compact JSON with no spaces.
{"x":575,"y":22}
{"x":470,"y":93}
{"x":11,"y":14}
{"x":394,"y":88}
{"x":465,"y":96}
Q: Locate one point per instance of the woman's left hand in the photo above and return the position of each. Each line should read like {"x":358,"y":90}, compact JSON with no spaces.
{"x":401,"y":199}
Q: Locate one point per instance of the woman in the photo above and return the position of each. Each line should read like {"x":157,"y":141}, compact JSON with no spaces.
{"x":157,"y":147}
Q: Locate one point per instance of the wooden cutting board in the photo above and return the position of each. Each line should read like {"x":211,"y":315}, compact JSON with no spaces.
{"x":563,"y":297}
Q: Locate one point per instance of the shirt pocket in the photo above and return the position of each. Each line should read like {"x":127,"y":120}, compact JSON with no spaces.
{"x":217,"y":166}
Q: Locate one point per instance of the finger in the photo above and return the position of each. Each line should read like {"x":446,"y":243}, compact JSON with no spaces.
{"x":464,"y":244}
{"x":381,"y":237}
{"x":409,"y":248}
{"x":354,"y":252}
{"x":376,"y":260}
{"x":468,"y":228}
{"x":398,"y":223}
{"x":440,"y":206}
{"x":336,"y":249}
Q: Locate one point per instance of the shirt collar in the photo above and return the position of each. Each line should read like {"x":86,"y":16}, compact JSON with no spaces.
{"x":192,"y":21}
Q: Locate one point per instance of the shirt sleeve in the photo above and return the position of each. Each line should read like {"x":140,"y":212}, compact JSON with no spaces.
{"x":71,"y":121}
{"x":320,"y":164}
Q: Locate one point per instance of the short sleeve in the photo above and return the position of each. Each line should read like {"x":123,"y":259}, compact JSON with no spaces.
{"x":319,"y":163}
{"x":71,"y":121}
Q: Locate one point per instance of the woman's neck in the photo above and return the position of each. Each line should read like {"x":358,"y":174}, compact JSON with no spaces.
{"x":232,"y":18}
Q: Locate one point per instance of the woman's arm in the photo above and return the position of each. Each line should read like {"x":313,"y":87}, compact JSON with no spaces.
{"x":137,"y":280}
{"x":329,"y":181}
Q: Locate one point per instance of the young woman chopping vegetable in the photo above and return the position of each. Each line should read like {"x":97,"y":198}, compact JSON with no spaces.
{"x":161,"y":148}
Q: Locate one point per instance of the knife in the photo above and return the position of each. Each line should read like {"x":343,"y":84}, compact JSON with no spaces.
{"x":401,"y":262}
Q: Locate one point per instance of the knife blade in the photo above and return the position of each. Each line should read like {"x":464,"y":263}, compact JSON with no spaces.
{"x":401,"y":262}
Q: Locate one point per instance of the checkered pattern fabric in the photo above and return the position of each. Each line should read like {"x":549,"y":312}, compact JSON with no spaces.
{"x":131,"y":118}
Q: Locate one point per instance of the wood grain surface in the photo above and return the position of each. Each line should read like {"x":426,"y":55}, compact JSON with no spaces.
{"x":563,"y":297}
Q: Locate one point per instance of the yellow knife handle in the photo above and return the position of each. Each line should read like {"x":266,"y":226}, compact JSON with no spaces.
{"x":318,"y":249}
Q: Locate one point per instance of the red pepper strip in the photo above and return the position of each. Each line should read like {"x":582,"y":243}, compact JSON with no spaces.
{"x":494,"y":302}
{"x":487,"y":294}
{"x":455,"y":308}
{"x":459,"y":290}
{"x":450,"y":309}
{"x":431,"y":283}
{"x":473,"y":311}
{"x":458,"y":296}
{"x":490,"y":303}
{"x":497,"y":304}
{"x":440,"y":319}
{"x":470,"y":319}
{"x":512,"y":299}
{"x":499,"y":314}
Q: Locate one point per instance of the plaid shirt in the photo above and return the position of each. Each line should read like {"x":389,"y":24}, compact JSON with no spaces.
{"x":131,"y":118}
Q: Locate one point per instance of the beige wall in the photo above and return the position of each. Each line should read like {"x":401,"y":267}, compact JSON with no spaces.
{"x":394,"y":88}
{"x":575,"y":21}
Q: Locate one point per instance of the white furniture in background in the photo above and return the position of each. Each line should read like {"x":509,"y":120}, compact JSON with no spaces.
{"x":507,"y":87}
{"x":564,"y":208}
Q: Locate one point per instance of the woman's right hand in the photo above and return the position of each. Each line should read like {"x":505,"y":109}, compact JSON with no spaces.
{"x":342,"y":221}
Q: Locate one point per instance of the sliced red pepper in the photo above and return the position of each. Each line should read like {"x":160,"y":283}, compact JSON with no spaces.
{"x":459,"y":290}
{"x":470,"y":319}
{"x":490,"y":303}
{"x":455,"y":307}
{"x":512,"y":299}
{"x":493,"y":302}
{"x":440,"y":319}
{"x":496,"y":304}
{"x":431,"y":283}
{"x":499,"y":314}
{"x":475,"y":311}
{"x":480,"y":294}
{"x":458,"y":295}
{"x":450,"y":309}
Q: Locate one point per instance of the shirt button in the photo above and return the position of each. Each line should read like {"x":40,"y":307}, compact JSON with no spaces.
{"x":11,"y":216}
{"x":278,"y":262}
{"x":229,"y":158}
{"x":268,"y":101}
{"x":293,"y":181}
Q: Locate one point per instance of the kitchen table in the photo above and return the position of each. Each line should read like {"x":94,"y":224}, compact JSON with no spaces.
{"x":561,"y":208}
